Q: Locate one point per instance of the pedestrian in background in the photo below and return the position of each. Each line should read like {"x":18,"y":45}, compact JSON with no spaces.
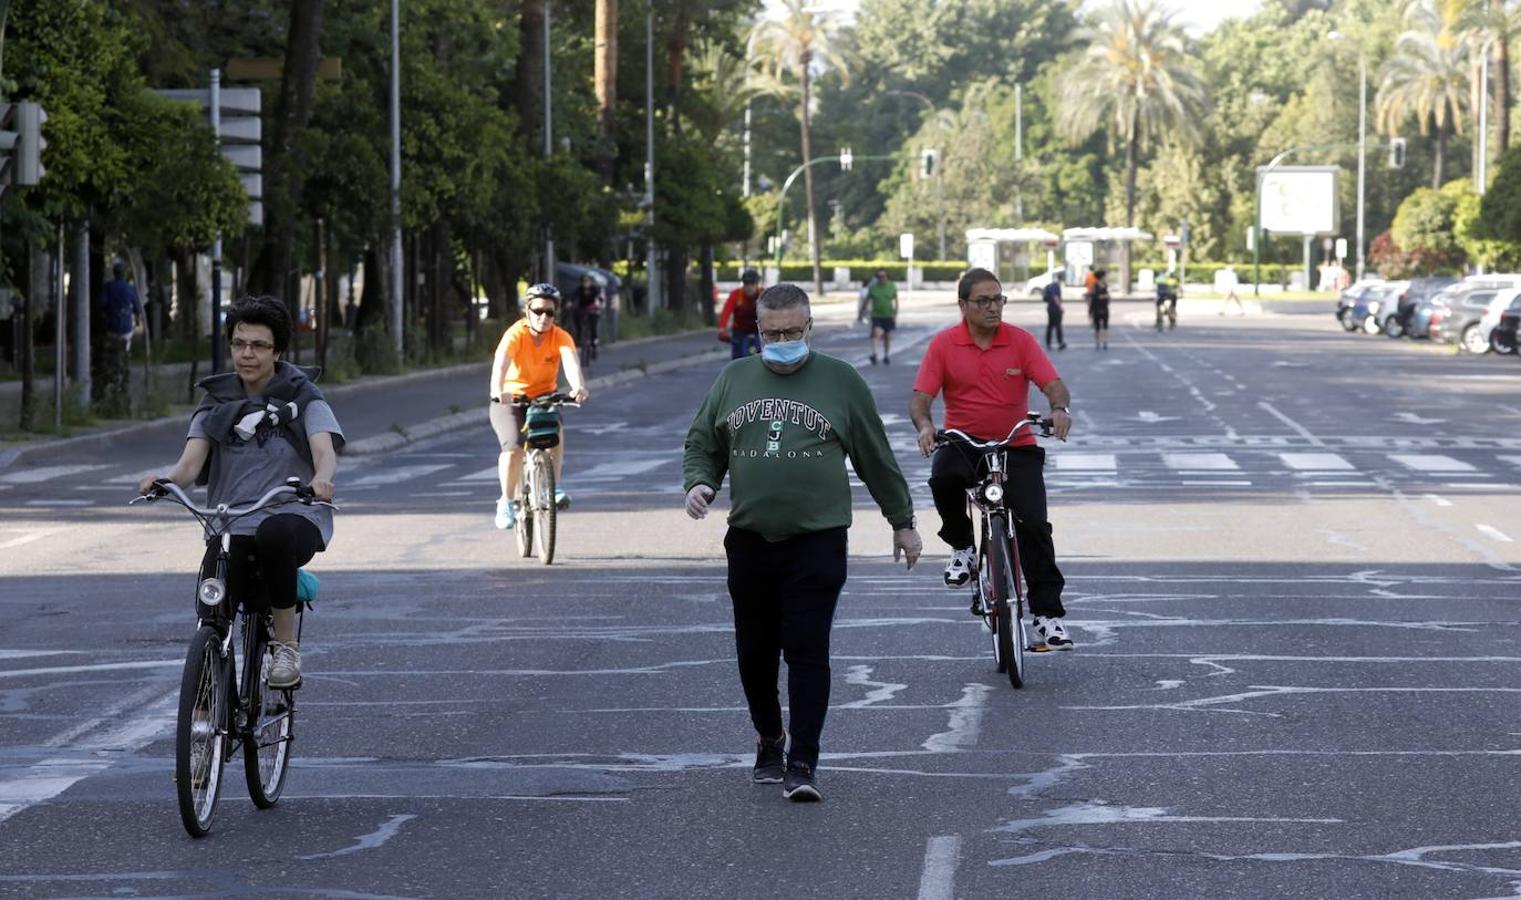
{"x":782,"y":427}
{"x":1098,"y":310}
{"x":882,"y":305}
{"x":123,"y":308}
{"x":736,"y":323}
{"x":1228,"y":280}
{"x":1052,"y":294}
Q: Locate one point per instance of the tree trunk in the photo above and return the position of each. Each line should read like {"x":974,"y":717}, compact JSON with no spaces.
{"x":676,"y":260}
{"x":26,"y":356}
{"x":530,"y":73}
{"x":813,"y":243}
{"x":283,"y":172}
{"x":1475,"y":99}
{"x":605,"y":80}
{"x":1131,"y":163}
{"x":676,"y":62}
{"x":372,"y":300}
{"x":706,"y":300}
{"x":1502,"y":87}
{"x":1436,"y":162}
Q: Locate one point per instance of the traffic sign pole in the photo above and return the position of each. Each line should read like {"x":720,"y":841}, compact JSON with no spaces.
{"x":216,"y":246}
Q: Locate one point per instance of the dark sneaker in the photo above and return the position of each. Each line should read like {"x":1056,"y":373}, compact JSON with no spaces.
{"x":799,"y":785}
{"x":1051,"y":631}
{"x":769,"y":761}
{"x":873,"y":359}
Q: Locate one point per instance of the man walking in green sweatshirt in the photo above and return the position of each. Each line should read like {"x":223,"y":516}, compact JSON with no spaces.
{"x":782,"y":425}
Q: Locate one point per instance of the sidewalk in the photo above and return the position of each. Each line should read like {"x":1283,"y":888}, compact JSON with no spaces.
{"x":381,"y":413}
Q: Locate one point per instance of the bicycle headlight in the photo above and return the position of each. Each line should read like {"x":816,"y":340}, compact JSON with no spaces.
{"x":993,"y":493}
{"x":212,"y":592}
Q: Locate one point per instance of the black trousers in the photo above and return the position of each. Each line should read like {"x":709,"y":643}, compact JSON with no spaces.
{"x":261,"y":567}
{"x":784,"y":595}
{"x":956,"y":467}
{"x":1054,"y":323}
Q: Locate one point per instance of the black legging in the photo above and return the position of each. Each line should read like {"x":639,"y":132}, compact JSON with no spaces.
{"x":1054,"y":323}
{"x":784,"y":594}
{"x":267,"y":560}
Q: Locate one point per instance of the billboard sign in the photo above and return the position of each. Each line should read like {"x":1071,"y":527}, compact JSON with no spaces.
{"x":1299,"y":199}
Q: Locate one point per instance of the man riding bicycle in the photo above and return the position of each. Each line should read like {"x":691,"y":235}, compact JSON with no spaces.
{"x":527,"y":364}
{"x":984,"y":368}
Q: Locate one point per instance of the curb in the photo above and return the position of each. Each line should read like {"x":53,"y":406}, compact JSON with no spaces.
{"x":384,"y":443}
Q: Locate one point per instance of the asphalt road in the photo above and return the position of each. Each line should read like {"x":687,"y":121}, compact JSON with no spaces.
{"x":1292,"y":576}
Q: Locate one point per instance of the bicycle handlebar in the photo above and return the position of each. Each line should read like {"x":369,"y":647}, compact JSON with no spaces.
{"x":558,"y":398}
{"x":956,"y":436}
{"x":293,"y":491}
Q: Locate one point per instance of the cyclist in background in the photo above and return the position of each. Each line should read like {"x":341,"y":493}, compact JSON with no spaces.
{"x":527,"y":364}
{"x":586,"y":306}
{"x":1098,"y":310}
{"x":737,"y":323}
{"x":1167,"y":300}
{"x":960,"y":364}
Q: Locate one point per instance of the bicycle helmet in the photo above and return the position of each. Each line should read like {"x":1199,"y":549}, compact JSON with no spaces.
{"x":544,"y":290}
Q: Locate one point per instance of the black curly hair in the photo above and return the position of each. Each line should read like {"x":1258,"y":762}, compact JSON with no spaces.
{"x":266,"y":311}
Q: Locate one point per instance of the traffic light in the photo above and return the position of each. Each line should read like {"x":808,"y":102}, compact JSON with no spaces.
{"x":22,"y":143}
{"x":1397,"y":153}
{"x":930,"y":160}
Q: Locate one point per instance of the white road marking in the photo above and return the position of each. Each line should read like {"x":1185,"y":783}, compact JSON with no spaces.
{"x":1430,"y":462}
{"x":965,"y":722}
{"x":1494,"y":533}
{"x":1298,"y":429}
{"x":1439,"y":501}
{"x":60,"y":503}
{"x":1207,"y":462}
{"x":392,"y":476}
{"x":387,"y":830}
{"x":1218,"y":483}
{"x":1513,"y":460}
{"x":1085,"y":461}
{"x":46,"y":473}
{"x":1316,"y":462}
{"x":135,"y":477}
{"x":619,"y":469}
{"x":26,"y":537}
{"x":96,"y":667}
{"x":938,"y":880}
{"x":1361,"y":484}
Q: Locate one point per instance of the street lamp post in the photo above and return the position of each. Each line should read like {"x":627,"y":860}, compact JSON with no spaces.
{"x":1362,"y":142}
{"x":397,"y":317}
{"x":549,"y":242}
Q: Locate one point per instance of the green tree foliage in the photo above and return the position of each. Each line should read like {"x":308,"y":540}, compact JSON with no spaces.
{"x":1500,"y":211}
{"x":1423,"y":229}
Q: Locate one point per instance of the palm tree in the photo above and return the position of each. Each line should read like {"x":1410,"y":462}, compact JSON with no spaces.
{"x":1136,"y":78}
{"x":792,"y":46}
{"x":1484,"y":28}
{"x":1426,"y":77}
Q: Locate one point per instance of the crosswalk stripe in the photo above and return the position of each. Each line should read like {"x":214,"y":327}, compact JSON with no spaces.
{"x":1316,"y":462}
{"x":1214,"y":462}
{"x":392,"y":476}
{"x":620,"y":469}
{"x":1430,"y":462}
{"x":1079,"y":462}
{"x":46,"y":473}
{"x":1513,"y":460}
{"x":483,"y":475}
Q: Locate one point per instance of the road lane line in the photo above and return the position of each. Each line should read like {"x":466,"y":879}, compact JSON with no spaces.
{"x":96,"y":667}
{"x":1297,"y":428}
{"x":27,"y":537}
{"x":965,"y":721}
{"x":1494,"y":533}
{"x":938,"y":880}
{"x":46,"y":473}
{"x":1316,"y":462}
{"x":1438,"y":500}
{"x":1084,"y":461}
{"x":1430,"y":462}
{"x":401,"y":473}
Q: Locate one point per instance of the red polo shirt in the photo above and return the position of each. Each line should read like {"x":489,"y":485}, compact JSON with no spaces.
{"x":986,"y":391}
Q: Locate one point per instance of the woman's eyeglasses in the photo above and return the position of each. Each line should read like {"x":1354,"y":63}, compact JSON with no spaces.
{"x":239,"y":345}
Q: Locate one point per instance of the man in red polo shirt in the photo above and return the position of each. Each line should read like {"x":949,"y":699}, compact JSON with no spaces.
{"x":984,"y":369}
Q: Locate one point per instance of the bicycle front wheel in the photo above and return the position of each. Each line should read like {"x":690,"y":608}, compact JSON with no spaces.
{"x":544,"y":507}
{"x":271,"y":727}
{"x":199,"y":739}
{"x":1010,"y":631}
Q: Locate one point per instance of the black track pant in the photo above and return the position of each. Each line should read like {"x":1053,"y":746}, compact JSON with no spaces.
{"x":262,"y":566}
{"x":784,"y":595}
{"x":955,"y":468}
{"x":1054,"y":324}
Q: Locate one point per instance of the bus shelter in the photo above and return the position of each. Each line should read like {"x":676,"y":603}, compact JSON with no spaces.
{"x":984,"y":248}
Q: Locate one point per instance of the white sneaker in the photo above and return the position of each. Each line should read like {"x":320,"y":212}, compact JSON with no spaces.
{"x":285,"y":669}
{"x":506,"y":514}
{"x":959,"y":570}
{"x":1051,"y":631}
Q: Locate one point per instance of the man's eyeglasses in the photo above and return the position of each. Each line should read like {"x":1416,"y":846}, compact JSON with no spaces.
{"x":791,"y":334}
{"x":547,"y":312}
{"x":988,"y":302}
{"x":239,"y":345}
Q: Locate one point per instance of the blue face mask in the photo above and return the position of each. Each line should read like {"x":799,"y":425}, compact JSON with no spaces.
{"x":785,"y":353}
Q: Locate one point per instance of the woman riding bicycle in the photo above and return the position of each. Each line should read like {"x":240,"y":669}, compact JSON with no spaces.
{"x":257,"y":426}
{"x":527,"y":364}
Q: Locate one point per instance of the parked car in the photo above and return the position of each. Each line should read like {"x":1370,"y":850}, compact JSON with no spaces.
{"x":1460,"y":323}
{"x":1037,"y":285}
{"x":1506,"y":301}
{"x":1504,"y":338}
{"x":1419,"y":289}
{"x":1376,"y":304}
{"x":1423,"y":319}
{"x":1350,"y":296}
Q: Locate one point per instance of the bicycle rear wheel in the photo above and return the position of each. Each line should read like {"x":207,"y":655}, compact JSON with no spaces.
{"x":199,"y":738}
{"x":271,"y":724}
{"x":544,"y":507}
{"x":524,"y":526}
{"x":1011,"y":628}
